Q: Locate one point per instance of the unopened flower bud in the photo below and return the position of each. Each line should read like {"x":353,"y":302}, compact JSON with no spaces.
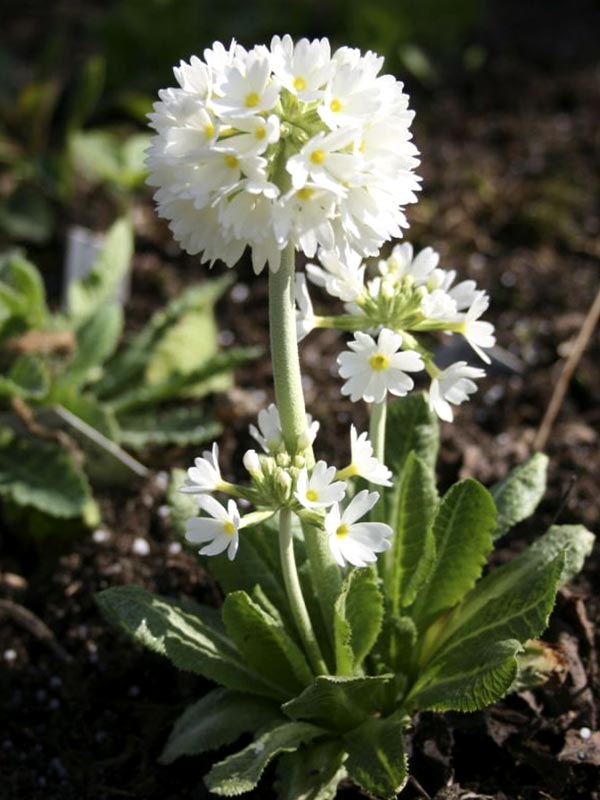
{"x":252,"y":464}
{"x":284,"y":481}
{"x":299,"y":462}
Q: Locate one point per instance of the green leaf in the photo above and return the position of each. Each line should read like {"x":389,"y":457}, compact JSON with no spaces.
{"x":313,"y":772}
{"x":27,"y":215}
{"x":376,"y":758}
{"x":241,"y":772}
{"x":264,"y":643}
{"x":337,"y":702}
{"x":174,"y":354}
{"x":412,"y":555}
{"x":177,"y":385}
{"x":219,"y":718}
{"x":193,"y":640}
{"x":178,"y":426}
{"x":518,"y":495}
{"x":28,"y":378}
{"x":397,"y":643}
{"x":22,"y":292}
{"x":97,"y":338}
{"x":87,"y":296}
{"x":411,"y":425}
{"x":462,"y":530}
{"x":358,"y":618}
{"x":43,"y":476}
{"x":91,"y":411}
{"x":466,"y":679}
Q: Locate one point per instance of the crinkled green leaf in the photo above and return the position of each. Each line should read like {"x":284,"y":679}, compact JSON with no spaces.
{"x":194,"y":641}
{"x":43,"y":476}
{"x":412,"y":556}
{"x":178,"y":426}
{"x":411,"y":425}
{"x":217,"y":719}
{"x":22,"y":294}
{"x":466,"y":679}
{"x":462,"y":530}
{"x":358,"y":618}
{"x":313,"y":772}
{"x":264,"y":643}
{"x":338,"y":702}
{"x":87,"y":295}
{"x":241,"y":772}
{"x":397,"y":643}
{"x":27,"y":378}
{"x":518,"y":495}
{"x":187,"y":344}
{"x":96,"y":339}
{"x":376,"y":758}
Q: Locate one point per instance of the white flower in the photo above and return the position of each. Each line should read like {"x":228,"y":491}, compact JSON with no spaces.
{"x":341,"y":276}
{"x":438,"y":305}
{"x":205,"y":476}
{"x":269,"y":434}
{"x":305,"y":315}
{"x":375,"y":368}
{"x":453,"y":385}
{"x":221,"y":531}
{"x":364,"y":463}
{"x":402,"y":261}
{"x":478,"y":334}
{"x":356,"y":542}
{"x":318,"y":490}
{"x":240,"y":120}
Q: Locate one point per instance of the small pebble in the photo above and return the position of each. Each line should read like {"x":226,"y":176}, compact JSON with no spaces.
{"x":164,"y":512}
{"x":161,"y":480}
{"x":55,"y":682}
{"x":100,"y":536}
{"x":140,"y":547}
{"x":54,"y":704}
{"x":41,"y":695}
{"x":226,"y":338}
{"x":585,"y":733}
{"x":10,"y":655}
{"x":58,"y":768}
{"x":174,"y":548}
{"x":240,"y":292}
{"x":134,"y":691}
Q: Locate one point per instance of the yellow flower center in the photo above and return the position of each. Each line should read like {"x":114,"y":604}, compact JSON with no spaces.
{"x":335,"y":105}
{"x":312,"y":495}
{"x":261,"y":132}
{"x":209,"y":130}
{"x":252,"y":100}
{"x":229,"y":528}
{"x":379,"y":362}
{"x":299,"y":84}
{"x":232,"y":161}
{"x":343,"y":530}
{"x":317,"y":156}
{"x":305,"y":194}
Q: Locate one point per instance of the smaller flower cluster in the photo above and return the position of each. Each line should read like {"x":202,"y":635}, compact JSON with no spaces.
{"x":314,"y":492}
{"x":390,"y":315}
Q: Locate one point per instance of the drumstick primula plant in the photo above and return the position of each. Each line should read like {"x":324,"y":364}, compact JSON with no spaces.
{"x":354,"y":593}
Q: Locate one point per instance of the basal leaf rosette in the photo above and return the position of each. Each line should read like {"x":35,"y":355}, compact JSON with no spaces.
{"x":279,"y":145}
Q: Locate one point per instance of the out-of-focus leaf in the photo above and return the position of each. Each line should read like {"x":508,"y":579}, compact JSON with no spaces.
{"x":179,"y":426}
{"x":27,"y":216}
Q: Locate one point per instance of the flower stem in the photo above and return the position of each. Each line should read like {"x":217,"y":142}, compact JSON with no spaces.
{"x":294,"y":592}
{"x":377,"y":426}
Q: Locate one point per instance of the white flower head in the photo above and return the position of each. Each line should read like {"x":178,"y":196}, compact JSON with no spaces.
{"x":374,"y":368}
{"x":305,"y":315}
{"x":319,"y":490}
{"x":352,"y":541}
{"x":402,"y":261}
{"x":438,"y":305}
{"x":341,"y":276}
{"x":240,"y":119}
{"x":220,"y":529}
{"x":479,"y":334}
{"x":205,"y":475}
{"x":364,"y":463}
{"x":269,"y":433}
{"x":453,"y":385}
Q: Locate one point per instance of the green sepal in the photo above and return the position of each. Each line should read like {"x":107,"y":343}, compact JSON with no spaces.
{"x":242,"y":771}
{"x":518,"y":495}
{"x":358,"y":617}
{"x":339,"y":703}
{"x":412,"y":555}
{"x":462,"y":530}
{"x":265,"y":644}
{"x":192,"y":637}
{"x":377,"y":760}
{"x":217,"y":719}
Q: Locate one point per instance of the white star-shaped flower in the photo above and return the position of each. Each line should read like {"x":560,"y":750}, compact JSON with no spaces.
{"x":319,"y":490}
{"x":453,"y":385}
{"x":356,"y":542}
{"x":375,"y":368}
{"x":269,"y":434}
{"x":363,"y":463}
{"x":221,"y":531}
{"x":479,"y":334}
{"x":340,"y":276}
{"x":205,"y":475}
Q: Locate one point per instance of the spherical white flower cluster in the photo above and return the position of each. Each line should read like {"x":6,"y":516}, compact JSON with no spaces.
{"x":410,"y":296}
{"x":280,"y":482}
{"x":283,"y":144}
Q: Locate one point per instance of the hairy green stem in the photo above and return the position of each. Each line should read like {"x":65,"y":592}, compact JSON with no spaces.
{"x":294,"y":593}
